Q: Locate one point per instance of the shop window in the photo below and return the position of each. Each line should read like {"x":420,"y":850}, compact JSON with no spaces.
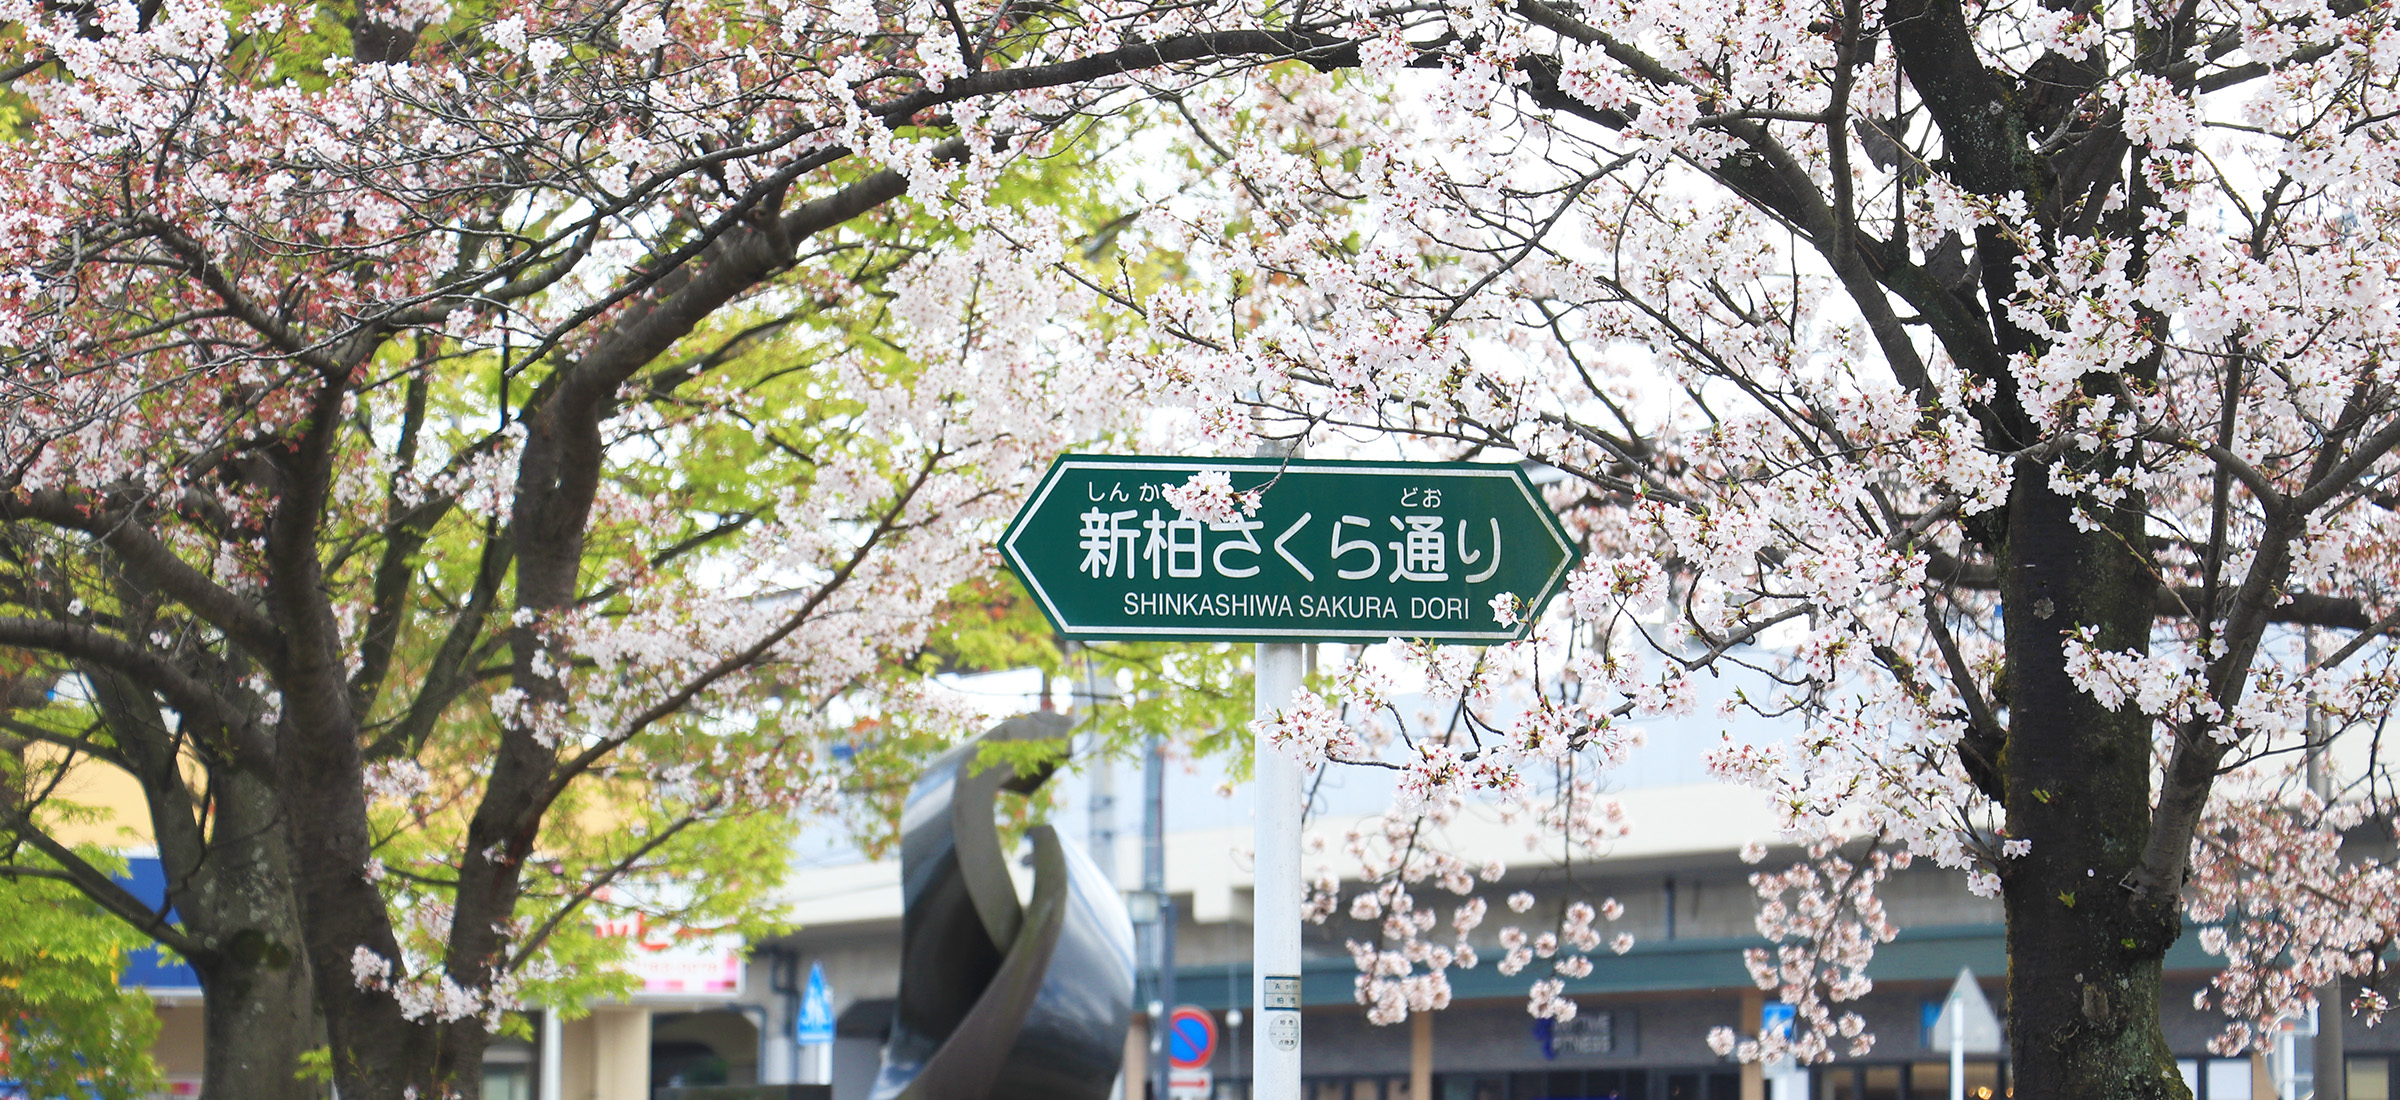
{"x":2226,"y":1078}
{"x":2369,"y":1078}
{"x":507,"y":1081}
{"x":1612,"y":1084}
{"x":1594,"y":1084}
{"x":1702,"y":1085}
{"x":1462,"y":1086}
{"x":1361,"y":1088}
{"x":1930,"y":1080}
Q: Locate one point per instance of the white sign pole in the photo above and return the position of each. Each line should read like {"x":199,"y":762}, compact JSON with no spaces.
{"x":1958,"y":1051}
{"x":552,"y":1053}
{"x":1275,"y":894}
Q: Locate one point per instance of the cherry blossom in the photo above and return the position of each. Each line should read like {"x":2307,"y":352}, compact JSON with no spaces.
{"x":2003,"y":393}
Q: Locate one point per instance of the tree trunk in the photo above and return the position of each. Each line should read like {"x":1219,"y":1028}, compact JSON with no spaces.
{"x":259,"y":1017}
{"x":260,"y":1011}
{"x":2084,"y":964}
{"x":229,"y":883}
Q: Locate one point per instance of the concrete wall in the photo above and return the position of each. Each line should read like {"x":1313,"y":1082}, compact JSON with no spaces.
{"x":855,"y":1062}
{"x":179,"y":1049}
{"x":606,"y":1055}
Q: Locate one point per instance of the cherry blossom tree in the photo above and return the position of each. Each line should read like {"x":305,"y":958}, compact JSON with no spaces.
{"x":2008,"y":383}
{"x":458,"y":459}
{"x":2005,"y":381}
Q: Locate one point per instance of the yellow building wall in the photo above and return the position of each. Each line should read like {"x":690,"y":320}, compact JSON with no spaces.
{"x":606,"y":1055}
{"x":125,"y":817}
{"x":578,"y":1042}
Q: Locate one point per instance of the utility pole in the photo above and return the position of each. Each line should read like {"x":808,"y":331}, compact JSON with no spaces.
{"x":1101,"y":779}
{"x":1275,"y":894}
{"x":1154,"y":880}
{"x":1275,"y":889}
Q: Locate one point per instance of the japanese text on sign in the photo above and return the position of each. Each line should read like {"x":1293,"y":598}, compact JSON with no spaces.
{"x":1331,"y":550}
{"x":1177,"y":545}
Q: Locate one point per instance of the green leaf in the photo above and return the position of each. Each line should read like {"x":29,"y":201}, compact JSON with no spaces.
{"x":72,"y":1030}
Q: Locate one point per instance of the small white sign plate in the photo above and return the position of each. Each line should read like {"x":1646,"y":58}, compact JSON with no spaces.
{"x":1283,"y":1030}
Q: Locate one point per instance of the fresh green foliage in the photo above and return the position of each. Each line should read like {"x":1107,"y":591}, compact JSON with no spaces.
{"x":66,"y":1027}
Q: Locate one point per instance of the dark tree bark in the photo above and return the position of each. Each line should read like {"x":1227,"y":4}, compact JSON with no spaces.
{"x":2085,"y":951}
{"x":259,"y":1011}
{"x":230,"y":891}
{"x":2084,"y":961}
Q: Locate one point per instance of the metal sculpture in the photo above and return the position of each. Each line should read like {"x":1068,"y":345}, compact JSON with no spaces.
{"x":1001,"y":1000}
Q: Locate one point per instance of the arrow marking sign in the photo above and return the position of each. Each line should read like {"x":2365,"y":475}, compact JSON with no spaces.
{"x":1977,"y":1027}
{"x":1337,"y":551}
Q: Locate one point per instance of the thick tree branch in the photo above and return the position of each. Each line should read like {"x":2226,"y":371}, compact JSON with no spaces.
{"x":159,"y":567}
{"x":104,"y":891}
{"x":186,"y":695}
{"x":1321,"y":51}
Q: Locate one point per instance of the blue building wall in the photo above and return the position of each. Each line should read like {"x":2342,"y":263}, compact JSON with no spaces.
{"x":154,"y":968}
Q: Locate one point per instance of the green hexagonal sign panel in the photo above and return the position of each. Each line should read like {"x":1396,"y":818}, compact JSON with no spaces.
{"x":1336,"y":551}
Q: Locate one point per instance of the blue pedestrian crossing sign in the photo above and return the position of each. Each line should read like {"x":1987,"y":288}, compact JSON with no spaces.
{"x":814,"y":1024}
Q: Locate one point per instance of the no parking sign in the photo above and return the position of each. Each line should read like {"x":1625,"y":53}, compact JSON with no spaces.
{"x":1191,"y":1037}
{"x":1191,"y":1044}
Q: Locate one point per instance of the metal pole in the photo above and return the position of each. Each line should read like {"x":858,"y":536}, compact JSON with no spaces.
{"x":1154,"y":818}
{"x":1154,"y":881}
{"x":1958,"y":1050}
{"x":546,"y":1085}
{"x":1103,"y":773}
{"x":1275,"y":918}
{"x":1102,"y":840}
{"x":1166,"y":994}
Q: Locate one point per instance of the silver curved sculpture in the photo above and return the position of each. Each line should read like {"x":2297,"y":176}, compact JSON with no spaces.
{"x":1001,"y":1000}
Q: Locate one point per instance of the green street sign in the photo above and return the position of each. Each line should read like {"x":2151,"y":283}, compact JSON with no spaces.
{"x":1337,"y":551}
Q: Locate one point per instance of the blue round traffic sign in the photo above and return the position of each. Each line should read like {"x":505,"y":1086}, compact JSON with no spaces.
{"x":1191,"y":1037}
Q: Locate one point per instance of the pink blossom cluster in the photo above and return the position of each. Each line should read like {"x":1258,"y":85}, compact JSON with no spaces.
{"x":1825,"y":920}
